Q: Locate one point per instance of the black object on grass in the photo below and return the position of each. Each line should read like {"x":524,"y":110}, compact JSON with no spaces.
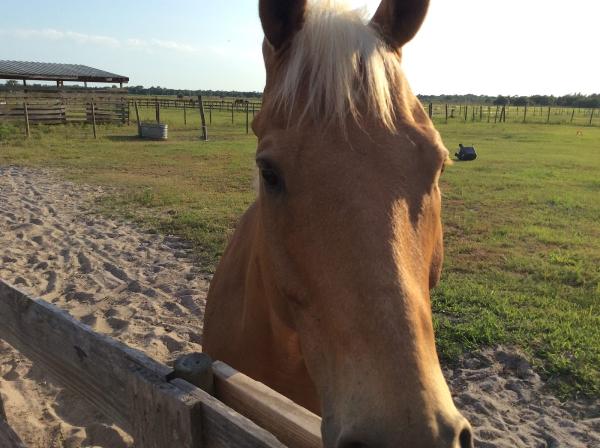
{"x":466,"y":153}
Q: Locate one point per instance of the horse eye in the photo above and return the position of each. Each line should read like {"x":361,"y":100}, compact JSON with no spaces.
{"x":270,"y":177}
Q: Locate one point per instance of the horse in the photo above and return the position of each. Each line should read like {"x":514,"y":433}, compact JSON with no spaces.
{"x":323,"y":291}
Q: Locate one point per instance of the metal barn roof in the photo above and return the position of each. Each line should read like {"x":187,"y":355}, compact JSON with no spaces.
{"x":44,"y":71}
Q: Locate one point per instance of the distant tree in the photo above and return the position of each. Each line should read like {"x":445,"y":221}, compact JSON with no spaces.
{"x":11,"y":83}
{"x":542,"y":100}
{"x":501,"y":101}
{"x":519,"y":101}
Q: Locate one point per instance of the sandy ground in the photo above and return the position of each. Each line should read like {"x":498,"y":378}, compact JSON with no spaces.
{"x":143,"y":289}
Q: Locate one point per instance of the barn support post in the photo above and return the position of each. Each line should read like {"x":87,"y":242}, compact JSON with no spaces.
{"x":202,"y":118}
{"x":94,"y":118}
{"x":26,"y":114}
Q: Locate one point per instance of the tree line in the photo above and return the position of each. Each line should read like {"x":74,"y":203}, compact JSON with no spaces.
{"x":573,"y":100}
{"x":141,"y":90}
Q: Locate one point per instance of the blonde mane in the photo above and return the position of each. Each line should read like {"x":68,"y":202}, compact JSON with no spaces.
{"x":345,"y":64}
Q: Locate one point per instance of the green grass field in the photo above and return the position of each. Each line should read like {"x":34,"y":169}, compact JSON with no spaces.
{"x":522,"y":223}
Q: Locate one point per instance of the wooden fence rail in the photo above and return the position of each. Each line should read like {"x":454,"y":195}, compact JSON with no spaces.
{"x":221,"y":106}
{"x":132,"y":389}
{"x":60,"y":107}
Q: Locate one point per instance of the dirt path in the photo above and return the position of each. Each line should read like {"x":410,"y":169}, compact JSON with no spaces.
{"x":143,"y":289}
{"x":138,"y":287}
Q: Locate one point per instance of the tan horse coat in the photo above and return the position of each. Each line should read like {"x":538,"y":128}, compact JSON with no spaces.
{"x":323,"y":290}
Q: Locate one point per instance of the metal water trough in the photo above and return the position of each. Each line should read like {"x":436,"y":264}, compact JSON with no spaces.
{"x":157,"y":131}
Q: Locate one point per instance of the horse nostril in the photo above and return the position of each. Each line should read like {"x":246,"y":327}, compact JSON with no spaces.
{"x":466,"y":438}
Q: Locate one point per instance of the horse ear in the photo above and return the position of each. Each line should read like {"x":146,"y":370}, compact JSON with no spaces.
{"x":281,"y":19}
{"x":399,"y":20}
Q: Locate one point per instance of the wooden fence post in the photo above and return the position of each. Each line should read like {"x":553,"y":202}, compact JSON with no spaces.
{"x":466,"y":109}
{"x":481,"y":113}
{"x":430,"y":110}
{"x":525,"y":114}
{"x":496,"y":115}
{"x":26,"y":113}
{"x":128,"y":113}
{"x":232,"y":112}
{"x":184,"y":114}
{"x":210,"y":114}
{"x":157,"y":105}
{"x":94,"y":119}
{"x":446,"y":112}
{"x":548,"y":119}
{"x":202,"y":118}
{"x":247,"y":119}
{"x":489,"y":113}
{"x":572,"y":115}
{"x":592,"y":116}
{"x":137,"y":116}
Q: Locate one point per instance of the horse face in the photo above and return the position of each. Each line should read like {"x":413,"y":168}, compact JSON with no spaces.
{"x":349,"y":215}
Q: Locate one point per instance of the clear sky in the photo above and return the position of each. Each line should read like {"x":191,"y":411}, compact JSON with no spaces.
{"x":508,"y":47}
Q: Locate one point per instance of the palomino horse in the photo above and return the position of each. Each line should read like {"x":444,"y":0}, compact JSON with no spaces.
{"x":323,"y":290}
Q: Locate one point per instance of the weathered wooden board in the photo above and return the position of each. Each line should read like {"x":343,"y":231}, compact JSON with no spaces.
{"x":123,"y":383}
{"x":292,"y":424}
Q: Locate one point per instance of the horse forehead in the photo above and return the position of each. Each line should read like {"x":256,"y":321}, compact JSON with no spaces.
{"x":410,"y":146}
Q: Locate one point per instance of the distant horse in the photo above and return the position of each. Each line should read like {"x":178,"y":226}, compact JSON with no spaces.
{"x":323,"y":290}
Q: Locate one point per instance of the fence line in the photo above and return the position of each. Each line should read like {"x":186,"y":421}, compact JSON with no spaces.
{"x":49,"y":108}
{"x":447,"y":112}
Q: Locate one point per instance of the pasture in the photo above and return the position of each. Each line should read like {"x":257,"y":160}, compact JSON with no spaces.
{"x":521,"y":223}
